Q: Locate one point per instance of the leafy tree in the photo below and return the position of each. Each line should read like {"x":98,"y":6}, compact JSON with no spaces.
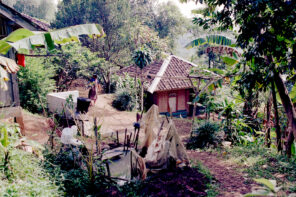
{"x":127,"y":24}
{"x":142,"y":57}
{"x":169,"y":22}
{"x":267,"y":33}
{"x":73,"y":61}
{"x":35,"y":82}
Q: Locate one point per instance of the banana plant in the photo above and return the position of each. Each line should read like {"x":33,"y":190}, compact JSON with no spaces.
{"x":26,"y":39}
{"x":218,"y":44}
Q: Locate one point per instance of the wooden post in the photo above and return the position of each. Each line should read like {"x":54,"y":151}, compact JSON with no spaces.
{"x":142,"y":92}
{"x":196,"y":91}
{"x":160,"y":128}
{"x":117,"y":138}
{"x":108,"y":169}
{"x":131,"y":158}
{"x":127,"y":143}
{"x":137,"y":138}
{"x":96,"y":133}
{"x":125,"y":140}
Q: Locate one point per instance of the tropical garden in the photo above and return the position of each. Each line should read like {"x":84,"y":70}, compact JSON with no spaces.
{"x":240,"y":143}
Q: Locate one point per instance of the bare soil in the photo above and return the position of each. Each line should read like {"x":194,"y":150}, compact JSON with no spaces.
{"x":36,"y":128}
{"x":180,"y":182}
{"x":232,"y":182}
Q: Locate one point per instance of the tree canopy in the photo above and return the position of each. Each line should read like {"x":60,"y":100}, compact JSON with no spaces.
{"x":128,"y":25}
{"x":267,"y":34}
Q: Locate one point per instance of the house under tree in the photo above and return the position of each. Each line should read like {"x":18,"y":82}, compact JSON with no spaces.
{"x":167,"y":84}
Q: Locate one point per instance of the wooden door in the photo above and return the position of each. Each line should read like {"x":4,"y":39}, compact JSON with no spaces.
{"x":173,"y":103}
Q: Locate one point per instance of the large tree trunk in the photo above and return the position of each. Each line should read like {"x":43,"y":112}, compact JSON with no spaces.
{"x":277,"y":122}
{"x":288,"y":106}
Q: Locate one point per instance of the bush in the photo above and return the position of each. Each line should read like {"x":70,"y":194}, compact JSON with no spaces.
{"x":35,"y":82}
{"x":123,"y":102}
{"x":204,"y":135}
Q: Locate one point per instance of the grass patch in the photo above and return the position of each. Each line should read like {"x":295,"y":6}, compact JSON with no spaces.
{"x":265,"y":163}
{"x":28,"y":177}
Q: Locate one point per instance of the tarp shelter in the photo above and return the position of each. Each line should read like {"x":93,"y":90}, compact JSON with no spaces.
{"x":164,"y":145}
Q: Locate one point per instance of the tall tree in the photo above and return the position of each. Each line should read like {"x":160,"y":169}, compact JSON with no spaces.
{"x":267,"y":32}
{"x":41,"y":9}
{"x":128,"y":25}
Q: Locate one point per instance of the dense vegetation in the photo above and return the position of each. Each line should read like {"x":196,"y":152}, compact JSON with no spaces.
{"x":245,"y":92}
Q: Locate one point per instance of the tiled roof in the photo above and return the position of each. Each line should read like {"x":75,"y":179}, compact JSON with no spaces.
{"x":176,"y":68}
{"x":39,"y":25}
{"x":167,"y":73}
{"x":42,"y":25}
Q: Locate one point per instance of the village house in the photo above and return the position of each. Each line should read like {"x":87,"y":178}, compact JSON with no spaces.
{"x":166,"y":84}
{"x":11,"y":20}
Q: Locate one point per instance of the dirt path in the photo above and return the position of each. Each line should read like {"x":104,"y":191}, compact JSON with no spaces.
{"x":232,"y":182}
{"x":112,"y":120}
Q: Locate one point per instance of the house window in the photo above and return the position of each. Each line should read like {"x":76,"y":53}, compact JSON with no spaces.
{"x":173,"y":102}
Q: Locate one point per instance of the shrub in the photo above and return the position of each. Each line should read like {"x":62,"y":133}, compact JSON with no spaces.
{"x":123,"y":101}
{"x":204,"y":135}
{"x":35,"y":81}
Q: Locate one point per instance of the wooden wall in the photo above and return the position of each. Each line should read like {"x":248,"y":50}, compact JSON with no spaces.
{"x":9,"y":96}
{"x":162,"y":99}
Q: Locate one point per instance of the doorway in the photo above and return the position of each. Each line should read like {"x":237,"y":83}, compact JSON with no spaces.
{"x":173,"y":102}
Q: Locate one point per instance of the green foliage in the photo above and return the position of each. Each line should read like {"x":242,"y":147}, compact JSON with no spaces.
{"x":13,"y":37}
{"x":35,"y":81}
{"x":123,"y":101}
{"x":128,"y":25}
{"x":21,"y":172}
{"x":26,"y":40}
{"x":269,"y":188}
{"x":210,"y":39}
{"x":268,"y":40}
{"x":168,"y":22}
{"x":75,"y":62}
{"x":142,"y":57}
{"x":204,"y":135}
{"x":265,"y":163}
{"x":127,"y":84}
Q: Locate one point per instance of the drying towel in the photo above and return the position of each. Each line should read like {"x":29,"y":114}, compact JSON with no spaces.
{"x":21,"y":60}
{"x":9,"y":65}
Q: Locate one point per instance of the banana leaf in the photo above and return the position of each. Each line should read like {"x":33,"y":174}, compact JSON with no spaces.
{"x":229,"y":61}
{"x":211,"y":39}
{"x":25,"y":39}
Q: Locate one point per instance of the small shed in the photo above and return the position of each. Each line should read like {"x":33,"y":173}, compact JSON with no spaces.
{"x":167,"y":84}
